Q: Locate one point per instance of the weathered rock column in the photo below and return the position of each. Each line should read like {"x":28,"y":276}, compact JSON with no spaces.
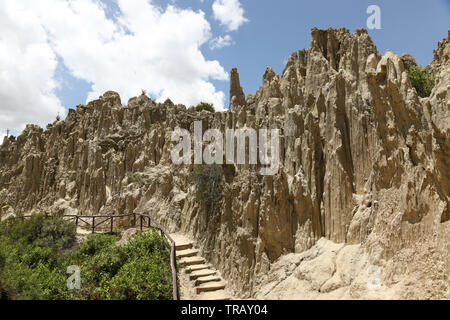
{"x":237,"y":96}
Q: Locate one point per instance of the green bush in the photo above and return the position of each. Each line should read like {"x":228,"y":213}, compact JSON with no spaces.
{"x":96,"y":243}
{"x":145,"y":273}
{"x":52,"y":232}
{"x":421,"y":81}
{"x":208,"y":181}
{"x":136,"y":179}
{"x":205,"y":106}
{"x":31,"y":256}
{"x":139,"y":270}
{"x":32,"y":266}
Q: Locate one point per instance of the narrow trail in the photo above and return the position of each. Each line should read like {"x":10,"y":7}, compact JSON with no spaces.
{"x":198,"y":279}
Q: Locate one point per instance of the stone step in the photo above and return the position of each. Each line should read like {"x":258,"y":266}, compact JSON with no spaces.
{"x":190,"y":261}
{"x":202,"y":280}
{"x":197,"y":267}
{"x":210,"y":286}
{"x":202,"y":273}
{"x":183,"y":245}
{"x":186,"y":253}
{"x":214,"y":295}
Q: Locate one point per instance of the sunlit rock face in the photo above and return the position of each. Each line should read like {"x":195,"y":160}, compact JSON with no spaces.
{"x":363,"y":179}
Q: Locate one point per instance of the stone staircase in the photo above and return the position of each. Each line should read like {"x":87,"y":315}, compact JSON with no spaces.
{"x":198,"y":279}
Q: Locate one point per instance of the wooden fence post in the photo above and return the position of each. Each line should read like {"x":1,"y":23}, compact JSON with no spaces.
{"x":93,"y":224}
{"x":174,"y":271}
{"x":141,"y":222}
{"x":112,"y":223}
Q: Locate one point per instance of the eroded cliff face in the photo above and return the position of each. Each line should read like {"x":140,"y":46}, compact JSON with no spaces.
{"x":364,"y":164}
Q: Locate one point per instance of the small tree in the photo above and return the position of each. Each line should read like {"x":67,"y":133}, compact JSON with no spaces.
{"x":208,"y":185}
{"x":205,"y":106}
{"x":421,"y":81}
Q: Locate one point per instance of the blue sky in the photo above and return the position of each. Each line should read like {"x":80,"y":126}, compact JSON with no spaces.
{"x":278,"y":28}
{"x":273,"y":31}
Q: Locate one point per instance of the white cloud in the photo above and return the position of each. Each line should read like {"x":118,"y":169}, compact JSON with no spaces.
{"x":27,"y":66}
{"x":220,"y":42}
{"x":145,"y":47}
{"x":2,"y":136}
{"x":230,"y":13}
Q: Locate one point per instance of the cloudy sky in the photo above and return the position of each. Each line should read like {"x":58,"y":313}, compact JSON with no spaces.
{"x":56,"y":54}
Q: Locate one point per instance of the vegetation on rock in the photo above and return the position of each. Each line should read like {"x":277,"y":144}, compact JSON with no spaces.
{"x":208,"y":185}
{"x":205,"y":106}
{"x":136,"y":179}
{"x":421,"y":81}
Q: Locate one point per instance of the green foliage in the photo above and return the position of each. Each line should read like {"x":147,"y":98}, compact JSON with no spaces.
{"x":96,"y":243}
{"x":33,"y":267}
{"x":144,"y":272}
{"x":31,"y":256}
{"x":421,"y":81}
{"x":136,"y":179}
{"x":139,"y":270}
{"x":370,"y":112}
{"x":57,"y":233}
{"x":52,"y":232}
{"x":205,"y":106}
{"x":208,"y":181}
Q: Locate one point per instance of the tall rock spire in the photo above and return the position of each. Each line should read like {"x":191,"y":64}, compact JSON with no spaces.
{"x":237,"y":97}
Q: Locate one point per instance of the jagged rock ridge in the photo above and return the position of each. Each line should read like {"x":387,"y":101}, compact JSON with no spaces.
{"x":364,"y":163}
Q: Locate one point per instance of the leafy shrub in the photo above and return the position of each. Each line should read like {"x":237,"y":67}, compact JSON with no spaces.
{"x":205,"y":106}
{"x":208,"y":183}
{"x":139,"y":270}
{"x":31,"y":257}
{"x":145,"y":273}
{"x":136,"y":179}
{"x":53,"y":232}
{"x":57,"y":233}
{"x":421,"y":81}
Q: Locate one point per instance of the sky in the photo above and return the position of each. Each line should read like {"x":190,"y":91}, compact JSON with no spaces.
{"x":57,"y":54}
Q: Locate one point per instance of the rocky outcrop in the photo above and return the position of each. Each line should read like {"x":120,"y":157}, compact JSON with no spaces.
{"x":237,"y":97}
{"x":364,"y":164}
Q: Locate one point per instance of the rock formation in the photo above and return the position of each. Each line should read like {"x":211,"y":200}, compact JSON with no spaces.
{"x":363,"y":181}
{"x":237,"y":97}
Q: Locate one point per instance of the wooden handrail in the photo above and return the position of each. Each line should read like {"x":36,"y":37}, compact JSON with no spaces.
{"x":141,"y":217}
{"x":80,"y":216}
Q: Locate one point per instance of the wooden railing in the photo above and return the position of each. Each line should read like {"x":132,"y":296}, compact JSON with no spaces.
{"x":145,"y":221}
